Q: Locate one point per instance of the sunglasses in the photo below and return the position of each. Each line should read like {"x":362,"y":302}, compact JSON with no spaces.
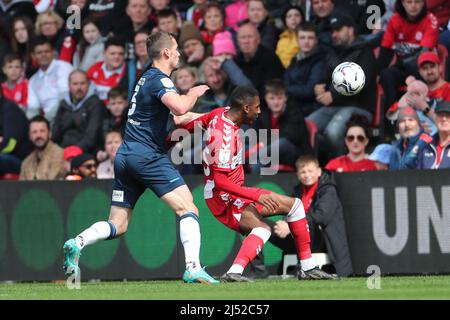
{"x":351,"y":138}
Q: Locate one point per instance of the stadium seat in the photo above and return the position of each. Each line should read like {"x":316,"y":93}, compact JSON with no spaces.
{"x":9,"y":176}
{"x":312,"y":128}
{"x":443,"y":58}
{"x":289,"y":260}
{"x":377,"y":123}
{"x":283,"y":168}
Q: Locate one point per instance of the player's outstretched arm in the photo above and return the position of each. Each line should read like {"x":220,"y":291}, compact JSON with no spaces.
{"x":180,"y":104}
{"x":186,"y":118}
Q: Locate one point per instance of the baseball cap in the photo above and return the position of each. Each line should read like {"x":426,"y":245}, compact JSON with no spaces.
{"x":382,"y":153}
{"x":338,"y":20}
{"x":428,"y":56}
{"x":79,"y":160}
{"x":442,"y":106}
{"x":72,"y":151}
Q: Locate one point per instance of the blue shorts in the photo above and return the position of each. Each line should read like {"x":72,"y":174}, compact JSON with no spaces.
{"x":134,"y":173}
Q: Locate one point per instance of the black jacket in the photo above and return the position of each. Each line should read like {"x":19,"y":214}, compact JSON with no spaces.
{"x":325,"y":206}
{"x":81,"y":127}
{"x":269,"y":34}
{"x":360,"y":53}
{"x":326,"y":211}
{"x":300,"y":78}
{"x":14,"y":130}
{"x":292,"y":126}
{"x":263,"y":66}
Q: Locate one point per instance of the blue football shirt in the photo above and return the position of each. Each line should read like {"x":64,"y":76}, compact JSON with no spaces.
{"x":147,"y":125}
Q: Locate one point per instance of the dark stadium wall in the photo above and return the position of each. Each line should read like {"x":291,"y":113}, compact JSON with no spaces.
{"x":398,"y":221}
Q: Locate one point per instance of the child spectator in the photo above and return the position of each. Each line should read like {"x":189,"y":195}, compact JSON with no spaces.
{"x":167,"y":21}
{"x":184,"y":79}
{"x":91,"y":46}
{"x":356,"y":140}
{"x":157,"y":6}
{"x":293,"y":140}
{"x":117,"y":105}
{"x":324,"y":214}
{"x":105,"y":169}
{"x":287,"y":46}
{"x":16,"y":87}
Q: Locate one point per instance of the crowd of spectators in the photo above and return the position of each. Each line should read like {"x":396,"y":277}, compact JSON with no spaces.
{"x":74,"y":63}
{"x":69,"y":67}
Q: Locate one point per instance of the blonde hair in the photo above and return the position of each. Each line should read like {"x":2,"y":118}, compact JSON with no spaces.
{"x":44,"y":17}
{"x":188,"y":68}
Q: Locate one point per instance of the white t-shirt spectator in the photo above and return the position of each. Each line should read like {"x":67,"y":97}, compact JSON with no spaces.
{"x":50,"y":86}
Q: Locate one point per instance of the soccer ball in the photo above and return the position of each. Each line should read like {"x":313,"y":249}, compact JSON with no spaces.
{"x":348,"y":78}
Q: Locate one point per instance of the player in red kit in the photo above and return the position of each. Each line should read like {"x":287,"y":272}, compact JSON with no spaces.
{"x":238,"y":207}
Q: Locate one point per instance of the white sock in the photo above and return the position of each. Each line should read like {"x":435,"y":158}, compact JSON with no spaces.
{"x":308,"y":264}
{"x":236,"y":268}
{"x":190,"y":238}
{"x":98,"y":231}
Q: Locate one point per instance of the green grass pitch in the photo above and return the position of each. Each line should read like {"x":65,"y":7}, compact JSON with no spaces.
{"x":408,"y":287}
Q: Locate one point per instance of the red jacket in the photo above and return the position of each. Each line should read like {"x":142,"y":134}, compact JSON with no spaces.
{"x":405,"y":37}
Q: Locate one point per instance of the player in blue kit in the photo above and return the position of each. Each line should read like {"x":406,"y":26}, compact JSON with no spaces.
{"x":142,"y":161}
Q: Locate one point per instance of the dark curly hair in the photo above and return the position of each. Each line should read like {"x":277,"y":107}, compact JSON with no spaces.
{"x":358,"y":120}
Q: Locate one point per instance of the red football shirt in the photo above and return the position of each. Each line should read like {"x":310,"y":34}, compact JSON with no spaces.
{"x":441,"y":93}
{"x":344,"y":164}
{"x":18,"y":94}
{"x":406,"y":38}
{"x":222,"y":156}
{"x":105,"y":82}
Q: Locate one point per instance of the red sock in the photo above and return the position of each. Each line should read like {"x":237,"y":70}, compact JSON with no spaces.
{"x":251,"y":246}
{"x":300,"y":232}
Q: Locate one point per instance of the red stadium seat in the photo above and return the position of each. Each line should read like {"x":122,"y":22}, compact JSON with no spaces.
{"x":283,"y":168}
{"x":312,"y":128}
{"x":443,"y":56}
{"x":9,"y":176}
{"x":377,"y":122}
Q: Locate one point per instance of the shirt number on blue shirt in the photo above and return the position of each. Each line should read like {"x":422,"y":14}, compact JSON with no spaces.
{"x":133,"y":99}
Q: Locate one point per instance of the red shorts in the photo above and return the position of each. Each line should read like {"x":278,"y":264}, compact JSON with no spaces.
{"x":228,"y":210}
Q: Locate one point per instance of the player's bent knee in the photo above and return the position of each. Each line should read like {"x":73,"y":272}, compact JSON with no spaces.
{"x":263,"y":232}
